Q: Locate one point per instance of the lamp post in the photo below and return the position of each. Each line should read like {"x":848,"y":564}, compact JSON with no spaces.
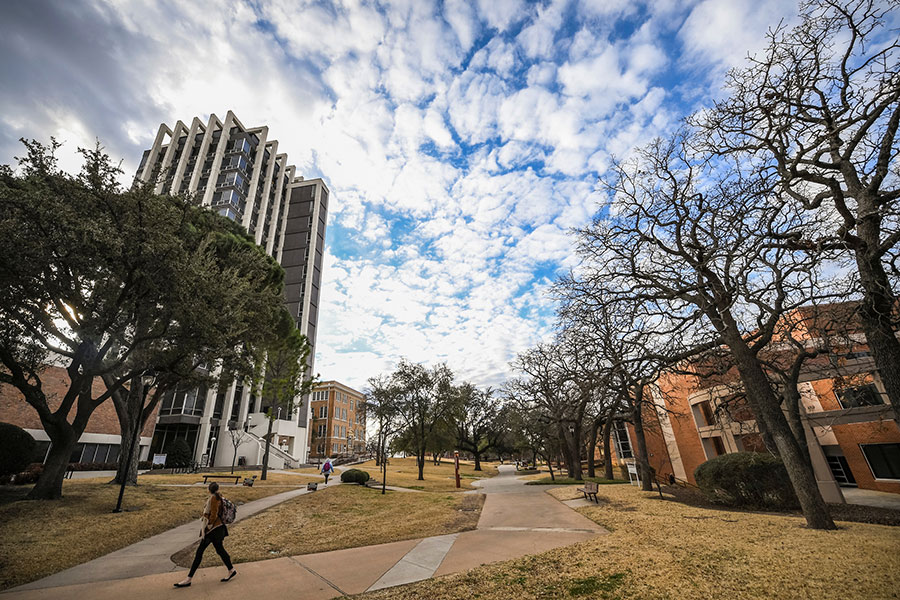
{"x":147,"y":380}
{"x":456,"y":461}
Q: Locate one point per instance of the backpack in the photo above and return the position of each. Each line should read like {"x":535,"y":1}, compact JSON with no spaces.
{"x":227,"y":511}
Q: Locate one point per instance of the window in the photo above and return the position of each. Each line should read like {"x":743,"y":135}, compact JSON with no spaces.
{"x":323,"y":412}
{"x":337,"y":431}
{"x":883,"y":459}
{"x":863,"y":395}
{"x":322,"y":430}
{"x":623,"y":445}
{"x":706,"y":411}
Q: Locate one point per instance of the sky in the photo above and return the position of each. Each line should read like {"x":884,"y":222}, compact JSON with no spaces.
{"x":461,"y":140}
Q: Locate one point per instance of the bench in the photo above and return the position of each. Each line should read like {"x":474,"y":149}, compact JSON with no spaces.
{"x":590,"y":489}
{"x":236,"y":478}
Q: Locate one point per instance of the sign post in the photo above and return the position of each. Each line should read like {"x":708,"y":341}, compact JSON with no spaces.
{"x":456,"y":458}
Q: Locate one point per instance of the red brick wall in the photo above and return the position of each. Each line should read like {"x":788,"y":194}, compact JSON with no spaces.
{"x":55,"y":383}
{"x":675,"y":390}
{"x":850,"y":436}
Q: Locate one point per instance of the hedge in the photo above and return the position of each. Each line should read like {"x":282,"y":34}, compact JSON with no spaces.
{"x":354,"y":476}
{"x":746,"y":479}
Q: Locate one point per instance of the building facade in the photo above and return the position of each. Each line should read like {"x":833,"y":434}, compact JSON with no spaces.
{"x":852,"y":437}
{"x":101,"y":440}
{"x":338,"y":421}
{"x":238,"y":172}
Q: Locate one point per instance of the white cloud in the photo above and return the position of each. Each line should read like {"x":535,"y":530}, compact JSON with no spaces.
{"x":453,"y":184}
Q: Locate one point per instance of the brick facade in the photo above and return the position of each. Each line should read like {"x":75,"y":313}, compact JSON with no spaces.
{"x":55,"y":383}
{"x":338,"y":410}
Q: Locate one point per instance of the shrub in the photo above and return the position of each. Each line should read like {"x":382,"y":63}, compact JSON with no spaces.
{"x":16,"y":449}
{"x":30,"y":475}
{"x":746,"y":479}
{"x":354,"y":476}
{"x":179,"y":455}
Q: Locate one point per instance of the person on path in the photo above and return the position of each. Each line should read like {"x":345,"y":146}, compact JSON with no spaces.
{"x":327,"y":469}
{"x":213,"y":532}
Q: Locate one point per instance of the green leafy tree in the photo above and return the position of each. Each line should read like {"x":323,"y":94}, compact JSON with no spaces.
{"x":478,"y":421}
{"x":110,"y":284}
{"x":425,"y":396}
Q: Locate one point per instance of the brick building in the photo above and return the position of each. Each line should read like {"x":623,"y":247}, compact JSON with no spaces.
{"x":101,"y":440}
{"x":853,"y":439}
{"x":338,"y":421}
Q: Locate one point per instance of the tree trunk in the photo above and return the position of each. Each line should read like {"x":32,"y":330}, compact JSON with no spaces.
{"x":550,"y":466}
{"x":477,"y":460}
{"x":607,"y":449}
{"x":127,"y":466}
{"x":265,"y":465}
{"x":592,"y":445}
{"x":420,"y":462}
{"x":767,"y":409}
{"x":876,"y":312}
{"x":795,"y":421}
{"x":641,"y":442}
{"x":49,"y":484}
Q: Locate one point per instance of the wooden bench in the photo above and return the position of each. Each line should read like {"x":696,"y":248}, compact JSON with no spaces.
{"x":236,"y":478}
{"x":590,"y":489}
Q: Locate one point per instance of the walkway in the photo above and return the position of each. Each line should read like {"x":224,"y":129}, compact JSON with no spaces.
{"x":516,"y":520}
{"x":152,"y":555}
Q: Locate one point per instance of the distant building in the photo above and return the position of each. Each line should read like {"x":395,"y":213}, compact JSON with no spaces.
{"x":853,"y":438}
{"x":238,"y":172}
{"x":338,"y":421}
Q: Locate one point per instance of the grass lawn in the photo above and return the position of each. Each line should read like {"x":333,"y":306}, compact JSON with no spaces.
{"x":39,"y":538}
{"x":664,"y":549}
{"x":403,"y":472}
{"x":280,"y":479}
{"x":345,"y":516}
{"x":546,"y":480}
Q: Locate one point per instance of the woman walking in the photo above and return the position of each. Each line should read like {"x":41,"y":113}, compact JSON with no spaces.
{"x":327,"y":469}
{"x":213,"y":532}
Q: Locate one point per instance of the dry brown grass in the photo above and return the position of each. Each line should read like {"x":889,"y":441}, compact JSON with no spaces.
{"x":403,"y":472}
{"x":664,"y":549}
{"x":280,"y":479}
{"x":39,"y":538}
{"x":346,"y":516}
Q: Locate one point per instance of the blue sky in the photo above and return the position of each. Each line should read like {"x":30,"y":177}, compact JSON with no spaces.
{"x":461,"y":140}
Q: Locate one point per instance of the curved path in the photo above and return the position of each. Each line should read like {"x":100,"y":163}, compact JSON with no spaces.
{"x":516,"y":520}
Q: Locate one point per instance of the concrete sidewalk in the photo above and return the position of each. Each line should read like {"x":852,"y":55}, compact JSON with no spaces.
{"x":151,"y":555}
{"x":516,"y":520}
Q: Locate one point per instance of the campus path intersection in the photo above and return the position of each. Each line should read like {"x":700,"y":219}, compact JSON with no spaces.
{"x":516,"y":520}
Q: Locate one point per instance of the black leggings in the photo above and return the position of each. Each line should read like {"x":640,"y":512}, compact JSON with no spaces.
{"x":214,"y":537}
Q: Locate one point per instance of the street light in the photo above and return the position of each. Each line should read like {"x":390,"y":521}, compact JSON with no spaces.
{"x":147,"y":380}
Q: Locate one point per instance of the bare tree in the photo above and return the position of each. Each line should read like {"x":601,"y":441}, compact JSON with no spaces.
{"x":237,"y":437}
{"x":820,"y":108}
{"x":692,"y":241}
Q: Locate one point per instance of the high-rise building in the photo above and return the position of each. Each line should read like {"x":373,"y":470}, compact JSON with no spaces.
{"x":238,"y":172}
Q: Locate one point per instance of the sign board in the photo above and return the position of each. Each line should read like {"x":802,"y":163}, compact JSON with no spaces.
{"x":159,"y":459}
{"x":632,"y":469}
